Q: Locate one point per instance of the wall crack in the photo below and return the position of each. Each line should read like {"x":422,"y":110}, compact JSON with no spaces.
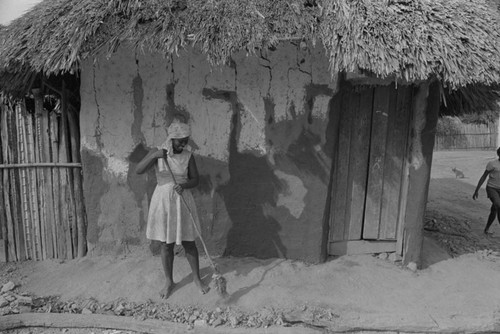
{"x":269,"y":67}
{"x":98,"y":130}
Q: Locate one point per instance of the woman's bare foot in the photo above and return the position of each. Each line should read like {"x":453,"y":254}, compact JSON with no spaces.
{"x":167,"y":290}
{"x":203,"y":288}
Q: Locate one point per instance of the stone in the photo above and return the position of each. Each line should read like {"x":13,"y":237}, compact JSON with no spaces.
{"x":24,"y":309}
{"x":217,"y":322}
{"x":24,"y":300}
{"x":251,"y":322}
{"x":140,"y":317}
{"x":383,"y":256}
{"x":86,"y":311}
{"x":10,"y":298}
{"x":266,"y":313}
{"x":412,"y":266}
{"x":119,"y":309}
{"x":3,"y":302}
{"x":393,"y":257}
{"x":200,"y":323}
{"x":234,"y":321}
{"x":9,"y":286}
{"x":4,"y":310}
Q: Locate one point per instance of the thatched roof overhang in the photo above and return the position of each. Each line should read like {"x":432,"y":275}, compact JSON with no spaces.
{"x":457,"y":41}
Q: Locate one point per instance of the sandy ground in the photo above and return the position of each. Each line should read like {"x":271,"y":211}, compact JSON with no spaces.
{"x":457,"y":288}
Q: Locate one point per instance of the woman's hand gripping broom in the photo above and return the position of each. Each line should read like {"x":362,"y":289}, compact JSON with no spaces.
{"x":219,"y":280}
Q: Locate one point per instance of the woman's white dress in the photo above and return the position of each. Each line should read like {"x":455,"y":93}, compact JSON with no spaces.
{"x":168,"y":218}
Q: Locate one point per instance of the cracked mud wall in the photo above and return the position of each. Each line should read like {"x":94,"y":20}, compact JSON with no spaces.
{"x":258,"y":135}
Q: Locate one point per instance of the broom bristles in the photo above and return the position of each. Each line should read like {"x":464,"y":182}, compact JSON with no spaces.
{"x":220,"y":284}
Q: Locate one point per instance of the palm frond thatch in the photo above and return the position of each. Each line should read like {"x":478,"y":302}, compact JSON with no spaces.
{"x":471,"y":99}
{"x":457,"y":41}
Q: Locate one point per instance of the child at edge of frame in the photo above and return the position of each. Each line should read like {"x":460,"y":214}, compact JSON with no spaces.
{"x":492,"y":171}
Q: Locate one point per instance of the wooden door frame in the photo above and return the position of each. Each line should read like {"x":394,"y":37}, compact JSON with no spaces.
{"x":421,"y":141}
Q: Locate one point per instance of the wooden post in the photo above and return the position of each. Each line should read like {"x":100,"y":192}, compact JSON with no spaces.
{"x":48,"y":191}
{"x":26,"y":217}
{"x":26,"y":175}
{"x":333,"y":132}
{"x":14,"y":185}
{"x":426,"y":110}
{"x":17,"y":188}
{"x":58,"y":232}
{"x":68,"y":202}
{"x":39,"y":172}
{"x":340,"y":167}
{"x":77,"y":179}
{"x":11,"y":250}
{"x":9,"y":226}
{"x":3,"y":212}
{"x":35,"y":214}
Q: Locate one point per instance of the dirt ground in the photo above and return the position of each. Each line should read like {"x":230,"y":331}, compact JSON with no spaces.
{"x":456,"y":290}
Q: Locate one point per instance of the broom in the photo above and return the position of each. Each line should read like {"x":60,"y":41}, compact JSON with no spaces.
{"x":219,"y":280}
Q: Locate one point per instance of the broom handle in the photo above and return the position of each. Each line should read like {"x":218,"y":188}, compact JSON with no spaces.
{"x":192,"y":218}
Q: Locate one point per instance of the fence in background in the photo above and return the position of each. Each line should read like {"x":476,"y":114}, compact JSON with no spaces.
{"x":466,"y":137}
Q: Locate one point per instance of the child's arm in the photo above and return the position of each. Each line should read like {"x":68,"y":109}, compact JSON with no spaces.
{"x":480,"y":183}
{"x":148,"y":160}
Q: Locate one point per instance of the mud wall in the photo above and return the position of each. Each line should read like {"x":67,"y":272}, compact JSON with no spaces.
{"x":259,"y":134}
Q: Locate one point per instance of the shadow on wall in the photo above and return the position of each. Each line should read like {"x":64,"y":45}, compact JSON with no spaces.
{"x":251,"y":188}
{"x":140,"y":188}
{"x":260,"y":201}
{"x":94,"y":187}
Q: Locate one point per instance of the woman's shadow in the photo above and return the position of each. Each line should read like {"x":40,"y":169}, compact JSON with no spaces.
{"x":235,"y":296}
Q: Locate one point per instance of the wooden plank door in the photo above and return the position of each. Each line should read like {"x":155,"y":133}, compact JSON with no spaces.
{"x":351,"y":166}
{"x":368,"y":168}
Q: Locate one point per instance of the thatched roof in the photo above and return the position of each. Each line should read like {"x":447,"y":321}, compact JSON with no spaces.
{"x":457,"y":41}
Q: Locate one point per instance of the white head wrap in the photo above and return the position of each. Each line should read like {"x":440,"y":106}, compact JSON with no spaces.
{"x":179,"y":130}
{"x":176,"y":130}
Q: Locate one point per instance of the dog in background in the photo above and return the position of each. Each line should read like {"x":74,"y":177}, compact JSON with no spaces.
{"x":458,"y":173}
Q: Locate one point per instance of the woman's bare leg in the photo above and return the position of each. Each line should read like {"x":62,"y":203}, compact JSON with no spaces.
{"x":491,"y":218}
{"x":194,"y":263}
{"x":167,"y":260}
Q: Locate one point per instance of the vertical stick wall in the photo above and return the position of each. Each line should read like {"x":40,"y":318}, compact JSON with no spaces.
{"x":42,"y":213}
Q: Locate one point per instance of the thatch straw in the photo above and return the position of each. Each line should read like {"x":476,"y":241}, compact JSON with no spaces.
{"x":457,"y":41}
{"x":472,"y":99}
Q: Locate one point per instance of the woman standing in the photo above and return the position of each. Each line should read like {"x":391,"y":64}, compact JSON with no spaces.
{"x":169,"y":221}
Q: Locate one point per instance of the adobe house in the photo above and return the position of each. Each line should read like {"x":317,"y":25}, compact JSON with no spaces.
{"x":312,"y":121}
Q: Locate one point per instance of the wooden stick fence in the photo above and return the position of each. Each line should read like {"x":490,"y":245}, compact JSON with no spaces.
{"x":41,"y":199}
{"x":467,"y":137}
